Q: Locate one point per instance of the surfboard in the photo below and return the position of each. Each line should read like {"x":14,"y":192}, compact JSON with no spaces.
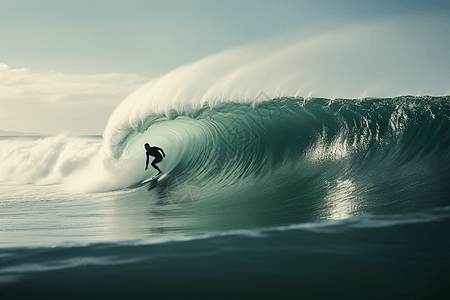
{"x":152,"y":178}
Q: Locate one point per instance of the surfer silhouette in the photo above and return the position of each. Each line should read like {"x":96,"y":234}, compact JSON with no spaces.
{"x":155,"y":152}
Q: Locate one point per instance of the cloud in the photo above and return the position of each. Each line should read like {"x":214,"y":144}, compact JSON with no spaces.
{"x":56,"y":87}
{"x":53,"y":101}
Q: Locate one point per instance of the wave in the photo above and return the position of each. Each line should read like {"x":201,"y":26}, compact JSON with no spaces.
{"x":378,"y":59}
{"x":296,"y":149}
{"x":373,"y":58}
{"x":238,"y":123}
{"x":45,"y":160}
{"x":347,"y":148}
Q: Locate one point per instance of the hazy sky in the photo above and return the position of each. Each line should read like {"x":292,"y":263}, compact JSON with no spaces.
{"x":65,"y":65}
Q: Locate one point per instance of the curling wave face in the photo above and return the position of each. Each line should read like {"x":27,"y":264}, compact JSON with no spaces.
{"x":306,"y":159}
{"x":340,"y":157}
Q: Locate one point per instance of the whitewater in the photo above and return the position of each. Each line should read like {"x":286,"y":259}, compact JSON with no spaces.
{"x":290,"y":167}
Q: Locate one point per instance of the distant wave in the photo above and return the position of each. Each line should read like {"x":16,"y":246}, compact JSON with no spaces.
{"x":45,"y":160}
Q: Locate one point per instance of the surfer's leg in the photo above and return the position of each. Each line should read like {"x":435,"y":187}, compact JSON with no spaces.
{"x":154,"y":162}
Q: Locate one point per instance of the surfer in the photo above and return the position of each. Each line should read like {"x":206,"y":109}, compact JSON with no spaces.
{"x":155,"y":152}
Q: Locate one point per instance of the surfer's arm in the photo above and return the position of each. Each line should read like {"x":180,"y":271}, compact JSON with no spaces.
{"x":146,"y":163}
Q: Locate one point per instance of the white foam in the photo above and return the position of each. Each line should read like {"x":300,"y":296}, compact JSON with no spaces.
{"x":45,"y":160}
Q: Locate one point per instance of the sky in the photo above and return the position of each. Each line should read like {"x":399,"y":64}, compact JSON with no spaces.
{"x":65,"y":65}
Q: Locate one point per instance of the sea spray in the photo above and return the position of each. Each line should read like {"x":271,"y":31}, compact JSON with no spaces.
{"x":383,"y":58}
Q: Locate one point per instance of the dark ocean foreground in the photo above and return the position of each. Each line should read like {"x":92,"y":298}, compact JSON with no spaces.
{"x":365,"y":257}
{"x":288,"y":198}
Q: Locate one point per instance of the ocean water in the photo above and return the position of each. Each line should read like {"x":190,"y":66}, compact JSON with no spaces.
{"x":277,"y":198}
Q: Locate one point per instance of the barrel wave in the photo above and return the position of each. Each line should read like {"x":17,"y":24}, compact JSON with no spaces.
{"x":304,"y":159}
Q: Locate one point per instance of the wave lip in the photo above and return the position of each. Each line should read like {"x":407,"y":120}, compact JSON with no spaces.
{"x":370,"y":59}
